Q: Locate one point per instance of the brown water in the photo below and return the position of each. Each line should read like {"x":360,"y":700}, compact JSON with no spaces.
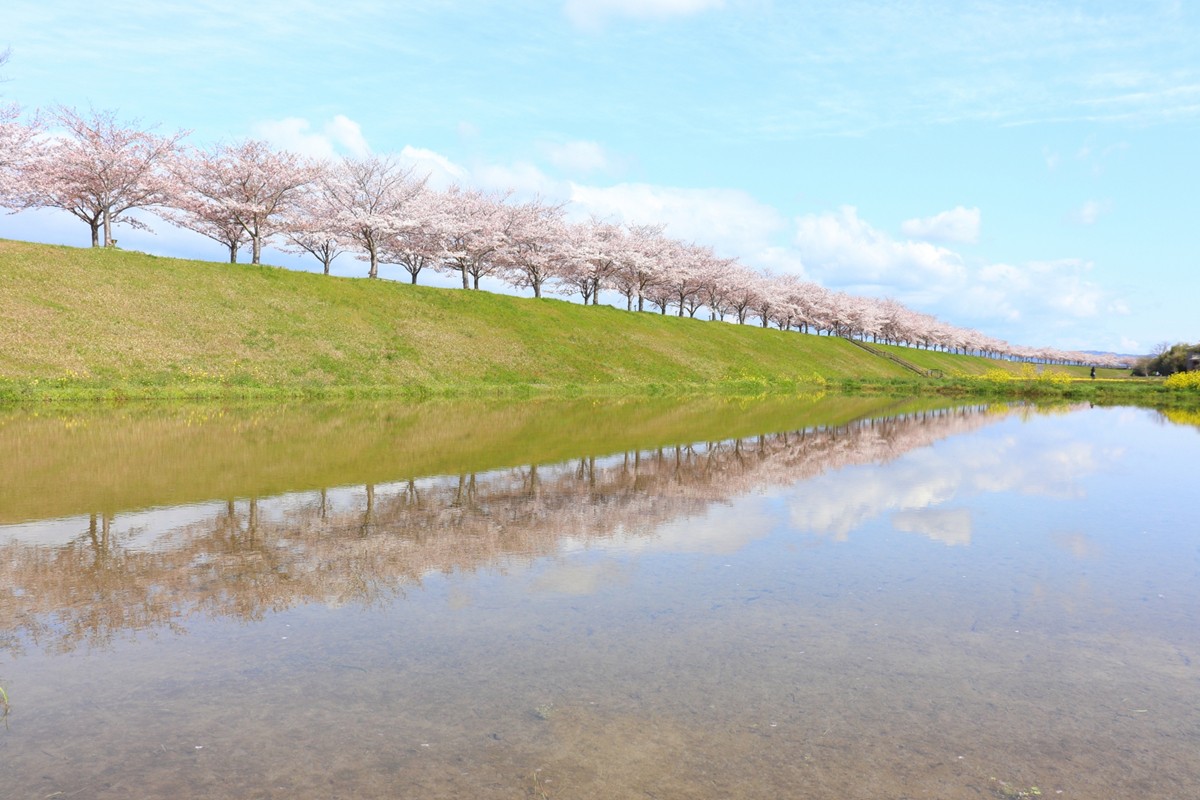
{"x":941,"y":603}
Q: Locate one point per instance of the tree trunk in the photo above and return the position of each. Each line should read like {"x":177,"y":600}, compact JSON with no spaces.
{"x":256,"y":250}
{"x":537,"y":289}
{"x":233,"y":253}
{"x":95,"y":233}
{"x":466,"y":278}
{"x":107,"y":230}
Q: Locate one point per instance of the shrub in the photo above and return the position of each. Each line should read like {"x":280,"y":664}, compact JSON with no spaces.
{"x":1183,"y":380}
{"x":1168,"y":361}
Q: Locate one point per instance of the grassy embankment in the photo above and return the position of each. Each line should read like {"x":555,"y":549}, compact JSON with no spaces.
{"x":86,"y":323}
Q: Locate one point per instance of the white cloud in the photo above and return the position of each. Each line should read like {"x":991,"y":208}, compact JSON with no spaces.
{"x":957,"y":225}
{"x":348,"y":134}
{"x":591,"y":14}
{"x":1128,"y":345}
{"x":1090,"y":211}
{"x":730,"y":220}
{"x":1055,"y":290}
{"x":842,"y":249}
{"x":339,"y":135}
{"x":521,"y":177}
{"x":578,"y":157}
{"x":441,"y":170}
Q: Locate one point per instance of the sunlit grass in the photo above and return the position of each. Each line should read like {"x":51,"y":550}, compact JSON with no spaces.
{"x":85,"y":324}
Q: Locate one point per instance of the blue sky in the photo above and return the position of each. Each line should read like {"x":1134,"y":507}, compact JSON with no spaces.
{"x":1028,"y":170}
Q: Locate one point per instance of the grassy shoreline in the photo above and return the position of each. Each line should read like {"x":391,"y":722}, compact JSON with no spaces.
{"x":1103,"y":391}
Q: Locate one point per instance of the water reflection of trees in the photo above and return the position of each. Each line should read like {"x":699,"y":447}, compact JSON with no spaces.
{"x":368,"y":544}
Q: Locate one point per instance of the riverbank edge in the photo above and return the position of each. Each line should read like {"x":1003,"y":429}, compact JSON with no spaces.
{"x":1142,"y":392}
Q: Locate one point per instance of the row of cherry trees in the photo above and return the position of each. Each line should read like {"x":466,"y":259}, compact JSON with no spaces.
{"x":248,"y":195}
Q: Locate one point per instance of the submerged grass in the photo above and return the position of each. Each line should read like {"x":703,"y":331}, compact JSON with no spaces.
{"x":65,"y":460}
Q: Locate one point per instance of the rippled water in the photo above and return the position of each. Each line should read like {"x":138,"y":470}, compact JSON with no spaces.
{"x":821,"y":598}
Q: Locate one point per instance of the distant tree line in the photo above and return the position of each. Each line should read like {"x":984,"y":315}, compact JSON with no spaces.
{"x":245,"y":195}
{"x":1168,"y":360}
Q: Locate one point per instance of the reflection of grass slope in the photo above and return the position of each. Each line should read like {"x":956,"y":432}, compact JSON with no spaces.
{"x":105,"y":321}
{"x":96,"y":460}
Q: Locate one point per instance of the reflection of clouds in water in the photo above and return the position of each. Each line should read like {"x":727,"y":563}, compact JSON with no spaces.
{"x":1077,"y":544}
{"x":722,"y":528}
{"x":950,"y":526}
{"x":835,"y":504}
{"x":580,"y":579}
{"x":364,"y":544}
{"x":1053,"y":472}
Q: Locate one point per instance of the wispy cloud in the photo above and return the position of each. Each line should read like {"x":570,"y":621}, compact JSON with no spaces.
{"x":870,"y":66}
{"x":338,"y":136}
{"x":1090,"y":211}
{"x":844,"y":250}
{"x":593,"y":14}
{"x":728,"y":219}
{"x":956,"y":225}
{"x":578,"y":157}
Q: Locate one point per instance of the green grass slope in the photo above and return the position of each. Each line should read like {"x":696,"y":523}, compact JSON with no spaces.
{"x":93,"y":321}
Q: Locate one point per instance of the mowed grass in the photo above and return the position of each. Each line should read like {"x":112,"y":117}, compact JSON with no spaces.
{"x":113,"y":321}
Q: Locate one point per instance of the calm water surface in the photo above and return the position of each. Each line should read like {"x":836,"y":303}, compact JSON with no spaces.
{"x":823,"y":598}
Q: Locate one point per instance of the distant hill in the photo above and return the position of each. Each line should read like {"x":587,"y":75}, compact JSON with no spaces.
{"x":1126,"y":356}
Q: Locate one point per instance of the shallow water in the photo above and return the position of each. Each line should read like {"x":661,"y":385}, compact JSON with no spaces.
{"x":786,"y":602}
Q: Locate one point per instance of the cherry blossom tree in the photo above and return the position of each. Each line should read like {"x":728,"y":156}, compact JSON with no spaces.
{"x":419,"y":246}
{"x":99,"y":170}
{"x":716,"y":285}
{"x":207,"y":219}
{"x":639,"y":262}
{"x":742,"y":296}
{"x":18,"y":145}
{"x":17,"y":142}
{"x":599,"y":248}
{"x":473,"y":234}
{"x":246,"y":182}
{"x":685,"y":275}
{"x":370,"y":200}
{"x":308,"y":226}
{"x":765,"y":298}
{"x":785,"y":310}
{"x":538,"y":245}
